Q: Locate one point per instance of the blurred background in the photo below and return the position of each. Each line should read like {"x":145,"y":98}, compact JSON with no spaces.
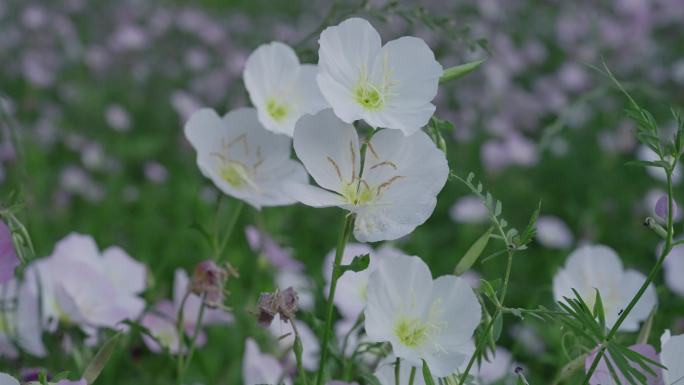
{"x":97,"y":93}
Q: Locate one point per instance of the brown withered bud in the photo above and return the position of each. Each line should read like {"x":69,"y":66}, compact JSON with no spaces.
{"x":208,"y":281}
{"x":284,"y":303}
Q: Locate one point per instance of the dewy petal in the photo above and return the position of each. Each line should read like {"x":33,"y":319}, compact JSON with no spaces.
{"x":329,"y":149}
{"x":408,"y":68}
{"x":125,"y":272}
{"x":401,"y":286}
{"x":458,"y":312}
{"x":241,"y":157}
{"x":406,"y":173}
{"x":346,"y":51}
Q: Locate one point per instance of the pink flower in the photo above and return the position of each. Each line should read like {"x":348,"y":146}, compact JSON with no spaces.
{"x":8,"y":255}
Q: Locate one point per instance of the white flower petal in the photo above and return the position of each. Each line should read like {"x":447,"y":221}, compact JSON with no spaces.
{"x":400,"y":286}
{"x":259,"y":368}
{"x":312,"y":195}
{"x":6,"y":379}
{"x":241,"y":157}
{"x":270,"y":69}
{"x":125,"y":272}
{"x":671,"y":357}
{"x":328,"y":148}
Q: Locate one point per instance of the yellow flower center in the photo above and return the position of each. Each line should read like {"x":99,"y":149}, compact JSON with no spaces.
{"x":411,"y":332}
{"x":235,"y":174}
{"x":369,"y":97}
{"x":358,"y":193}
{"x":277,"y":111}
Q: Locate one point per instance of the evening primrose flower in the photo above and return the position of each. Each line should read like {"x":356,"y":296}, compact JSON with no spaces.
{"x":243,"y":159}
{"x":672,"y":351}
{"x":395,"y":193}
{"x":259,"y":368}
{"x":592,"y":268}
{"x":388,"y":86}
{"x":281,"y":89}
{"x":422,"y":318}
{"x":78,"y":284}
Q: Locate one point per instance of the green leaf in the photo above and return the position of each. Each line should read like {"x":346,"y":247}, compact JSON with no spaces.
{"x":97,"y":364}
{"x":497,"y":327}
{"x":599,"y":311}
{"x":370,"y":379}
{"x":427,"y":375}
{"x":473,"y":253}
{"x":359,"y":263}
{"x":531,"y":228}
{"x":453,"y":73}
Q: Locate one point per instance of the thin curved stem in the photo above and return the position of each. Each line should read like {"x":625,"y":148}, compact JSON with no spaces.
{"x":651,"y":276}
{"x":195,"y":335}
{"x":339,"y":252}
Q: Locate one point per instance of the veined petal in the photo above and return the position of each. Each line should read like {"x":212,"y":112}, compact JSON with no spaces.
{"x":241,"y":157}
{"x":399,"y":289}
{"x":270,"y":71}
{"x":329,"y":149}
{"x":311,"y":195}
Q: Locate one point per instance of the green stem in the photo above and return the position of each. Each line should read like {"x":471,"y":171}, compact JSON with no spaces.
{"x":341,"y":244}
{"x":195,"y":335}
{"x":230,"y":226}
{"x":412,"y":376}
{"x":298,"y":349}
{"x":180,"y":329}
{"x":397,"y":371}
{"x":651,"y":276}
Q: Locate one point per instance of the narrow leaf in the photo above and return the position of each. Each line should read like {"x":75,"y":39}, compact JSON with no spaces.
{"x":97,"y":364}
{"x":453,"y":73}
{"x":427,"y":375}
{"x":473,"y":253}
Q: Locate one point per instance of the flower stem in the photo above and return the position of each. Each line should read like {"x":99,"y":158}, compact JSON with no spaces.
{"x":180,"y":329}
{"x":651,"y":276}
{"x":412,"y":376}
{"x":397,"y":371}
{"x":341,"y":244}
{"x":230,"y":225}
{"x":195,"y":335}
{"x":298,"y":349}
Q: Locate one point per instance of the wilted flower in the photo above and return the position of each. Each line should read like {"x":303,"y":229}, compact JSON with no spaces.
{"x":209,"y":280}
{"x":281,"y":89}
{"x":592,"y":268}
{"x":602,"y":374}
{"x":9,"y":260}
{"x":671,"y":353}
{"x":397,"y":190}
{"x":259,"y":368}
{"x":422,"y":318}
{"x":162,"y":320}
{"x":388,"y":86}
{"x":279,"y":302}
{"x":242,"y":158}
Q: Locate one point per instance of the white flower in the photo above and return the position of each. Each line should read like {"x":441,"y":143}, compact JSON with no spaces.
{"x":6,"y":379}
{"x":672,"y":351}
{"x":352,"y":287}
{"x":553,"y":233}
{"x":397,"y":190}
{"x":499,"y":366}
{"x":243,"y":159}
{"x":422,"y":319}
{"x":673,"y":269}
{"x":21,"y":326}
{"x":388,"y":86}
{"x":469,"y":209}
{"x":591,"y":268}
{"x":284,"y":333}
{"x":281,"y":89}
{"x":259,"y":368}
{"x":80,"y":285}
